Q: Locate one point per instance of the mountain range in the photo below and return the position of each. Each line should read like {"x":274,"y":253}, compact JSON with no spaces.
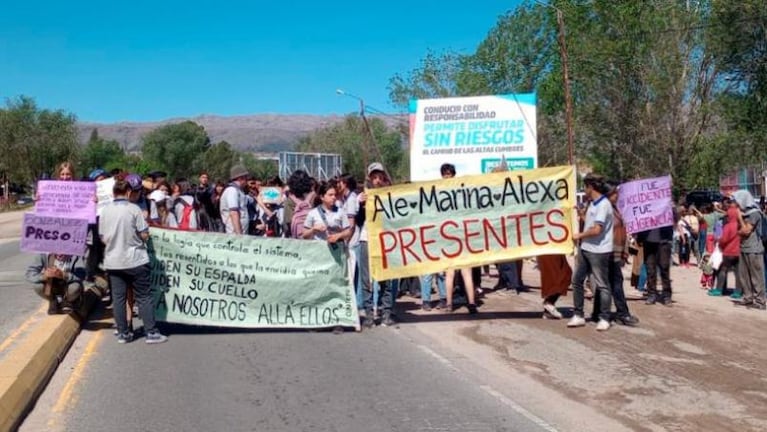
{"x":262,"y":133}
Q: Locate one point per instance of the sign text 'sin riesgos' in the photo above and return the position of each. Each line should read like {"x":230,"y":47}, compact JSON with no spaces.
{"x":420,"y":228}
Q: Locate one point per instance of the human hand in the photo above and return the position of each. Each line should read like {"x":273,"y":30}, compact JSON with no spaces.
{"x":319,"y":227}
{"x":362,"y":197}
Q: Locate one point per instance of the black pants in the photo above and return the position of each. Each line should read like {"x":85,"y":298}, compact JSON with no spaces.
{"x":138,"y":278}
{"x":658,"y":255}
{"x":729,"y":264}
{"x":616,"y":287}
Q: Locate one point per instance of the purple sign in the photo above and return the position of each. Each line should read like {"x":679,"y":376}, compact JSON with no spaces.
{"x":68,"y":199}
{"x":646,"y":204}
{"x":52,"y":234}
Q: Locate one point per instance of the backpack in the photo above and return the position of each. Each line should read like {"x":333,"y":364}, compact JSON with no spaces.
{"x":273,"y":226}
{"x":188,"y":214}
{"x":300,"y":212}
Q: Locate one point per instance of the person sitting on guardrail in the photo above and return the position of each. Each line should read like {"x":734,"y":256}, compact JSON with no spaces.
{"x":58,"y":279}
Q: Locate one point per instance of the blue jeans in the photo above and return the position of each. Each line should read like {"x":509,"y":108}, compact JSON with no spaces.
{"x":702,"y":235}
{"x":597,"y":265}
{"x":509,"y":275}
{"x":426,"y":282}
{"x":387,"y":300}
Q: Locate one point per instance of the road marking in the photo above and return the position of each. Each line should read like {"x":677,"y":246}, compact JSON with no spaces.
{"x":67,"y":396}
{"x":20,"y":329}
{"x":494,"y":393}
{"x":516,"y":407}
{"x":439,"y":358}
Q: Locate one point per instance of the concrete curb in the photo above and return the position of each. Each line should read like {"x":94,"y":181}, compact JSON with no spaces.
{"x":25,"y":371}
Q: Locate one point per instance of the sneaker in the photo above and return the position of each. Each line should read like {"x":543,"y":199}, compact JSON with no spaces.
{"x":736,"y":295}
{"x":551,"y":311}
{"x":628,"y":320}
{"x":757,"y":306}
{"x":472,"y":308}
{"x":124,"y":338}
{"x":576,"y":321}
{"x":634,"y":295}
{"x":741,"y":302}
{"x":387,"y":321}
{"x":603,"y":325}
{"x":715,"y":293}
{"x":155,"y":338}
{"x":368,"y":323}
{"x":442,"y":304}
{"x":448,"y":308}
{"x":426,"y":306}
{"x":666,"y":301}
{"x":651,"y":299}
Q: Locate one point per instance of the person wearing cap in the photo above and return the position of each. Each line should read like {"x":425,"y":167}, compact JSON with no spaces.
{"x":234,"y":211}
{"x":165,"y":218}
{"x":377,"y":177}
{"x":594,"y":255}
{"x":97,"y":175}
{"x":124,"y":231}
{"x":95,"y":247}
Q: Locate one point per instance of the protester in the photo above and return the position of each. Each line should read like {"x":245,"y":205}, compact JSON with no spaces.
{"x":448,"y":171}
{"x":95,"y":255}
{"x":300,"y":199}
{"x":218,"y":224}
{"x":165,"y":217}
{"x":729,"y":245}
{"x":751,"y":264}
{"x":556,"y":275}
{"x":377,"y":177}
{"x":59,"y":279}
{"x":594,"y":254}
{"x":186,"y":209}
{"x":619,"y":259}
{"x":656,"y":246}
{"x":233,"y":202}
{"x":326,"y":222}
{"x":124,"y":231}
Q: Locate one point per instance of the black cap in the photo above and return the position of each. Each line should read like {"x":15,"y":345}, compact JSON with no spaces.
{"x":157,"y":174}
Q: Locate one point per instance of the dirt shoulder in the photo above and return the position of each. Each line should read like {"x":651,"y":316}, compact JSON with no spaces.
{"x":10,"y":225}
{"x":697,"y":365}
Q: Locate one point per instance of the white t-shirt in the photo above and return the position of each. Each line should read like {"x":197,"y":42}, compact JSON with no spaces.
{"x":234,"y":199}
{"x":351,"y":207}
{"x":600,"y":212}
{"x":120,"y":224}
{"x":335,"y":221}
{"x":178,"y":210}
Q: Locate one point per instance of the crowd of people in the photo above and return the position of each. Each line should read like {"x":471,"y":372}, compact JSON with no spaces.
{"x":723,"y":237}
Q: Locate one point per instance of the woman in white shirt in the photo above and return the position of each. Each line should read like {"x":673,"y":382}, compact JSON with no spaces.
{"x":327,"y":222}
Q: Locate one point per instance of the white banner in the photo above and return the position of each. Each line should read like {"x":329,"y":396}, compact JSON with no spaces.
{"x":473,"y":133}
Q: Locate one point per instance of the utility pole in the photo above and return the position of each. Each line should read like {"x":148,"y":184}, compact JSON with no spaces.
{"x":370,"y":139}
{"x":566,"y":83}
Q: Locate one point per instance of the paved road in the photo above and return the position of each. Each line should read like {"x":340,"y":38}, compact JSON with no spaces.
{"x":18,"y":303}
{"x":380,"y":380}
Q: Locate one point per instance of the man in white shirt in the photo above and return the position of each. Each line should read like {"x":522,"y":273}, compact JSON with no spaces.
{"x":234,"y":212}
{"x":595,"y":254}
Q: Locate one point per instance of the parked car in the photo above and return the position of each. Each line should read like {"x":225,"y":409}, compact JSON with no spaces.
{"x":699,"y":198}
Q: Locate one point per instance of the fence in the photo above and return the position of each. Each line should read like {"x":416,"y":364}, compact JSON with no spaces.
{"x":321,"y":166}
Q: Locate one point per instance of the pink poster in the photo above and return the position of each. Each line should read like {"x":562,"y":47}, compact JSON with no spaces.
{"x":67,"y":199}
{"x":646,"y":204}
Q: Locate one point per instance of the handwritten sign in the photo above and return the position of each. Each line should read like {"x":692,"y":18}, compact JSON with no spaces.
{"x":427,"y":227}
{"x":68,"y":199}
{"x":646,"y":204}
{"x":271,"y":195}
{"x":53,"y":234}
{"x":242,"y":281}
{"x":104,"y":193}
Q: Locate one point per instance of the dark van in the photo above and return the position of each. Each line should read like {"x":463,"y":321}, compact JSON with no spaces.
{"x":699,"y":198}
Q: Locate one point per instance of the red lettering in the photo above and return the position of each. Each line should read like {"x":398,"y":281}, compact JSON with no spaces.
{"x":406,"y":246}
{"x":468,"y":235}
{"x":558,"y":224}
{"x":450,"y":237}
{"x":517,"y":219}
{"x":425,"y":242}
{"x":534,"y":227}
{"x":384,"y":249}
{"x":489,"y":229}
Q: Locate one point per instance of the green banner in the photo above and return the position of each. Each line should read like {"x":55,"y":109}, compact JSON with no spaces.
{"x":254,"y":282}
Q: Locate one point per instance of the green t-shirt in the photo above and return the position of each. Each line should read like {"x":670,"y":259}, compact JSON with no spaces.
{"x":711,"y":220}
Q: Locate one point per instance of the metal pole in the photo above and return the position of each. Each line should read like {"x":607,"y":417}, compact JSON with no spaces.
{"x":566,"y":83}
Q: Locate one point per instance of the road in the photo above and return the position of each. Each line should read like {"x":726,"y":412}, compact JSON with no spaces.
{"x":19,"y":306}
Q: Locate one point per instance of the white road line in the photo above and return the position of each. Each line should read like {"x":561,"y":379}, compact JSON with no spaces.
{"x":523,"y":412}
{"x":494,"y":393}
{"x":439,"y":358}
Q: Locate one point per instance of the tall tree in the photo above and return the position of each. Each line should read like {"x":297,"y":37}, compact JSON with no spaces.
{"x":175,"y":148}
{"x":34,"y":140}
{"x":101,"y":153}
{"x":218,"y":160}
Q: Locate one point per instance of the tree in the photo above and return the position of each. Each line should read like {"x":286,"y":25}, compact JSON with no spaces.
{"x":175,"y":148}
{"x":33,"y":140}
{"x":101,"y":153}
{"x":218,"y":160}
{"x":349,"y":137}
{"x":262,"y":169}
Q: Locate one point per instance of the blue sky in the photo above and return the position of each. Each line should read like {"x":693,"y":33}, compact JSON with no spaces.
{"x":140,"y":60}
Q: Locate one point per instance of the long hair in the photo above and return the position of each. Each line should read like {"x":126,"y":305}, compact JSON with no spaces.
{"x":65,"y":165}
